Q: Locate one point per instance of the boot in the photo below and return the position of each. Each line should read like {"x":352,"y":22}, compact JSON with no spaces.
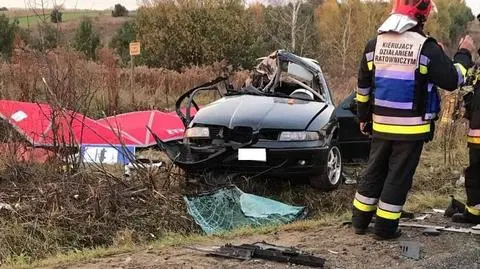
{"x":460,"y":218}
{"x":454,"y":207}
{"x":359,"y":231}
{"x":466,"y":218}
{"x":382,"y":237}
{"x":362,"y":231}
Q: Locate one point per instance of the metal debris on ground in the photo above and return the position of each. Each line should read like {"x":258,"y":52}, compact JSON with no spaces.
{"x":349,"y":179}
{"x":423,"y":217}
{"x":441,"y":211}
{"x":431,"y":232}
{"x":410,"y":249}
{"x":265,"y":251}
{"x":476,"y":227}
{"x":441,"y":228}
{"x":142,"y":163}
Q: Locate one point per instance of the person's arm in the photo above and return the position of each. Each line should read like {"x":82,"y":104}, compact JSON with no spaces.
{"x":444,"y":72}
{"x":365,"y":84}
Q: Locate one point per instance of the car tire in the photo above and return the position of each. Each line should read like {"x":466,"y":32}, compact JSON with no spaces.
{"x":331,"y":177}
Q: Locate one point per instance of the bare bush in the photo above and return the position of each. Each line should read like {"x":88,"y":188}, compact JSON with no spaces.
{"x":154,"y":88}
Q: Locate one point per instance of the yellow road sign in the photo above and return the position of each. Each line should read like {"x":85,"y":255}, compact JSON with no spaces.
{"x":134,"y":48}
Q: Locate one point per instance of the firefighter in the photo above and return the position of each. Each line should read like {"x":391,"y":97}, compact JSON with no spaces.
{"x":471,"y":212}
{"x":397,"y":95}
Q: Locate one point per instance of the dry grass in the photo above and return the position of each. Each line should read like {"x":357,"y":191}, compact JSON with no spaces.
{"x":420,"y":201}
{"x":53,"y":211}
{"x":442,"y":164}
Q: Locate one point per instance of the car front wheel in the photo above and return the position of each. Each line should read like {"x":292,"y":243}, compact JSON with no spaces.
{"x":331,"y":177}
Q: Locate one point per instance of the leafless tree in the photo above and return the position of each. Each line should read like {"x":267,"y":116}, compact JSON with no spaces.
{"x":337,"y":35}
{"x":345,"y":41}
{"x":38,"y":7}
{"x":289,"y":18}
{"x":40,"y":10}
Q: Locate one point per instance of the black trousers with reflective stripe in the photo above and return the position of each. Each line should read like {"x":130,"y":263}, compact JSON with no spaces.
{"x":472,"y":182}
{"x":388,"y":176}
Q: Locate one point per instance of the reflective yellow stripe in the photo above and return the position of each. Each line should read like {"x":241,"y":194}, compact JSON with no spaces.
{"x":473,"y":211}
{"x":363,"y":98}
{"x":400,"y":129}
{"x":363,"y":207}
{"x":370,"y":66}
{"x":462,"y":69}
{"x":423,"y":70}
{"x":474,"y":140}
{"x":388,"y":215}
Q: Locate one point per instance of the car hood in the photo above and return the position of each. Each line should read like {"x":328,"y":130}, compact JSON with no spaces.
{"x":260,"y":112}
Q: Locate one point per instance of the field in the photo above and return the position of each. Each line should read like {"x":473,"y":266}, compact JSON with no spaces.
{"x":103,"y":22}
{"x":30,"y":18}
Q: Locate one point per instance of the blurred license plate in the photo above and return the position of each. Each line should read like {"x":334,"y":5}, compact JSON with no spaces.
{"x":258,"y":155}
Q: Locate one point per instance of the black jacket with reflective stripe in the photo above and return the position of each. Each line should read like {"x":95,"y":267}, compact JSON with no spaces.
{"x":441,"y":72}
{"x":472,"y":108}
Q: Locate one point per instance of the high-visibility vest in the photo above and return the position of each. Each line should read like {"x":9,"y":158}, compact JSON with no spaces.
{"x":404,"y":102}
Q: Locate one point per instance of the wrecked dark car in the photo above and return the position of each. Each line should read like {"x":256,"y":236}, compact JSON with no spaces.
{"x":282,"y":123}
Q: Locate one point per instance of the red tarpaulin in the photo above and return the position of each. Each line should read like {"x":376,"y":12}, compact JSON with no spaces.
{"x":41,"y":126}
{"x":166,"y":126}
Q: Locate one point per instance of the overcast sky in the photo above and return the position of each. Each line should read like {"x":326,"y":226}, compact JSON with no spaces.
{"x":132,"y":4}
{"x":475,"y":6}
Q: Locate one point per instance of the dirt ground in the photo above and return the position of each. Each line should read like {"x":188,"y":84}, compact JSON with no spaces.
{"x":337,"y":244}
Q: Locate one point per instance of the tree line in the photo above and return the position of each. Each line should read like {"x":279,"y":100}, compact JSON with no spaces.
{"x":180,"y":33}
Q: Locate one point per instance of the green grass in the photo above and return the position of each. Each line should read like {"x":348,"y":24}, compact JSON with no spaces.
{"x":33,"y":19}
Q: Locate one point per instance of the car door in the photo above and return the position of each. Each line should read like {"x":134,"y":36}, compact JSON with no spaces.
{"x":354,"y":145}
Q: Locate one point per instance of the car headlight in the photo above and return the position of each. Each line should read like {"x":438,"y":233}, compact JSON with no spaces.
{"x":299,"y":136}
{"x":197,"y":132}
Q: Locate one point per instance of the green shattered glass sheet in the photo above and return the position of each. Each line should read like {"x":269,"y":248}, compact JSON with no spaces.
{"x":230,"y":208}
